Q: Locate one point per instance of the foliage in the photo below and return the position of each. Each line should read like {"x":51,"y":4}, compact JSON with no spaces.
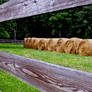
{"x":74,"y":22}
{"x":12,"y":84}
{"x":3,"y":1}
{"x":7,"y":29}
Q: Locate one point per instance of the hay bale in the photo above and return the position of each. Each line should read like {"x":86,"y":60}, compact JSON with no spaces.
{"x":85,"y":47}
{"x":76,"y":41}
{"x":72,"y":45}
{"x":60,"y":44}
{"x":51,"y":46}
{"x":27,"y":43}
{"x":30,"y":43}
{"x":35,"y":43}
{"x":77,"y":45}
{"x":47,"y":43}
{"x":25,"y":40}
{"x":42,"y":44}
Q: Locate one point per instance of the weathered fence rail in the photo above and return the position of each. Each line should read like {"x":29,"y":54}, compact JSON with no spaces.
{"x":23,"y":8}
{"x":11,"y":41}
{"x":44,"y":76}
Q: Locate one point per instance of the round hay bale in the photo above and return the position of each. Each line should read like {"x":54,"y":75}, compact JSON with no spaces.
{"x":25,"y":40}
{"x":34,"y":43}
{"x":48,"y":41}
{"x":27,"y":43}
{"x":30,"y":43}
{"x":76,"y":44}
{"x":85,"y":47}
{"x":60,"y":44}
{"x":72,"y":45}
{"x":42,"y":44}
{"x":52,"y":44}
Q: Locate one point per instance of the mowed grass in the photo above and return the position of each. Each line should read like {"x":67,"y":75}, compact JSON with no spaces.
{"x":83,"y":63}
{"x":11,"y":84}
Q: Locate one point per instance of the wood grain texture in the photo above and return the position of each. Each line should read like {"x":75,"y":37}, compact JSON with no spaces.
{"x":44,"y":76}
{"x":23,"y":8}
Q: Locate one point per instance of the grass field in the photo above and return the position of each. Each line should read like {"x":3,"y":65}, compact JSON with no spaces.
{"x":11,"y":84}
{"x":83,"y":63}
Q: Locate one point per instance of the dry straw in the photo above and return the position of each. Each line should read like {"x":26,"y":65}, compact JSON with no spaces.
{"x":72,"y":45}
{"x":51,"y":45}
{"x":60,"y":44}
{"x":42,"y":44}
{"x":69,"y":46}
{"x":85,"y":47}
{"x":25,"y":39}
{"x":34,"y":43}
{"x":48,"y":43}
{"x":30,"y":43}
{"x":27,"y":43}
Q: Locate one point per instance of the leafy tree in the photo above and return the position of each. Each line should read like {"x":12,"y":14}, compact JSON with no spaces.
{"x":7,"y":29}
{"x":3,"y":1}
{"x":74,"y":22}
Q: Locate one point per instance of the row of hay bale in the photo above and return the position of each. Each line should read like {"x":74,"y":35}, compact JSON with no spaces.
{"x":83,"y":47}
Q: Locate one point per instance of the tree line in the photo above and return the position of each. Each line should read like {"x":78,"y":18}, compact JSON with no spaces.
{"x":74,"y":22}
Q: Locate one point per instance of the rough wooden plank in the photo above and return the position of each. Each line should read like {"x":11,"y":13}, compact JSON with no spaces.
{"x":22,"y":8}
{"x":44,"y":76}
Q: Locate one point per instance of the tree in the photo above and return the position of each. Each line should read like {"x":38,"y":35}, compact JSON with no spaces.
{"x":3,"y":1}
{"x":75,"y":22}
{"x":7,"y":29}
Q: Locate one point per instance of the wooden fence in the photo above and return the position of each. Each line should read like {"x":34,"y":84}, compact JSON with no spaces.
{"x":23,"y":8}
{"x":11,"y":41}
{"x":44,"y":76}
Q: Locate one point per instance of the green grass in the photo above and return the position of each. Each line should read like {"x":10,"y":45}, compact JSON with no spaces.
{"x":11,"y":84}
{"x":83,"y":63}
{"x":68,"y":60}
